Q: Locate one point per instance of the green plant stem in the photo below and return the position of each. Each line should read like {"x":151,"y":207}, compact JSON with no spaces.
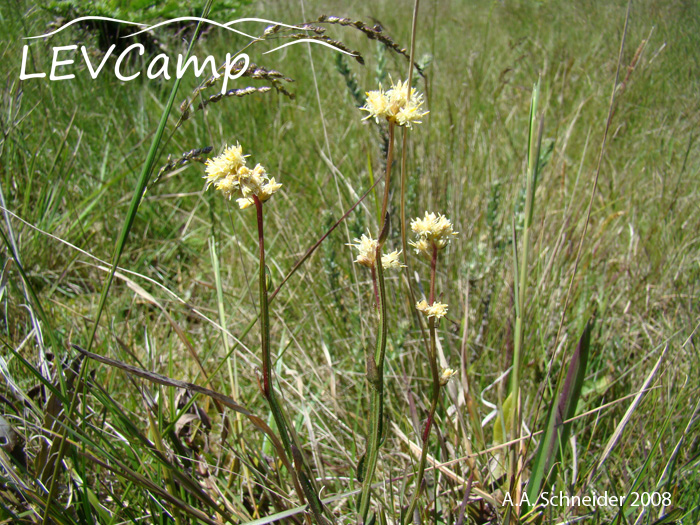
{"x":267,"y":388}
{"x":288,"y":438}
{"x":404,"y":243}
{"x":434,"y":397}
{"x":534,"y":140}
{"x":375,"y":287}
{"x":375,"y":378}
{"x":404,"y":149}
{"x":387,"y":177}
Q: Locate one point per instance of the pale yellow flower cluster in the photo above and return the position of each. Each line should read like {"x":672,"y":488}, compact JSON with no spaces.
{"x":230,"y":175}
{"x":432,"y":231}
{"x":446,"y":375}
{"x":436,"y":310}
{"x":368,"y":254}
{"x":395,"y":105}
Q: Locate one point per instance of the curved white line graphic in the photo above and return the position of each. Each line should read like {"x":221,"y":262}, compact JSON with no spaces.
{"x":263,"y":20}
{"x":311,"y":41}
{"x":226,"y":26}
{"x":80,"y":19}
{"x":190,"y":19}
{"x":146,"y":27}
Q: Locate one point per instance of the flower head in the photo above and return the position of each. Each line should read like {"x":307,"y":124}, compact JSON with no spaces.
{"x":367,"y":248}
{"x":229,"y":174}
{"x":226,"y":164}
{"x":446,"y":375}
{"x":377,"y":104}
{"x":227,"y":186}
{"x":432,"y":231}
{"x":391,"y":260}
{"x":395,"y":105}
{"x":436,"y":310}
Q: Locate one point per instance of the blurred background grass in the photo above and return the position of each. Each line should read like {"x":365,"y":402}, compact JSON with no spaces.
{"x":71,"y":152}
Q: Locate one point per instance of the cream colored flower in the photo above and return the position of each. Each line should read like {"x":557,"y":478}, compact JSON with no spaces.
{"x":229,"y":174}
{"x":391,"y":260}
{"x":409,"y":115}
{"x":436,"y":310}
{"x":376,"y":104}
{"x":446,"y":375}
{"x":422,"y":246}
{"x":227,"y":186}
{"x":367,"y":248}
{"x":245,"y":202}
{"x":433,"y":231}
{"x":268,"y":189}
{"x":252,"y":181}
{"x":404,"y":109}
{"x":396,"y":105}
{"x":226,"y":164}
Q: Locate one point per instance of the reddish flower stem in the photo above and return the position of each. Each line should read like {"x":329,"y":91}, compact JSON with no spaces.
{"x":264,"y":315}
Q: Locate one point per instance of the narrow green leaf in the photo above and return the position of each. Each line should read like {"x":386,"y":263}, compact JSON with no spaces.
{"x":625,"y":509}
{"x":556,"y":432}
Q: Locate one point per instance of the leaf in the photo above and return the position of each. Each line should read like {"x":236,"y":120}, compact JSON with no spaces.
{"x":626,"y":418}
{"x":672,"y":517}
{"x":505,"y":417}
{"x":361,"y":468}
{"x":556,"y":432}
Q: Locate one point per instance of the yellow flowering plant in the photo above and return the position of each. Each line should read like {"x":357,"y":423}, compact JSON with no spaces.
{"x":433,"y":233}
{"x":230,"y":176}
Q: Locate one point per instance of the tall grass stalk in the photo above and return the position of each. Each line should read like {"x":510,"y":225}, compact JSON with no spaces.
{"x":404,"y":182}
{"x":146,"y":172}
{"x":533,"y":153}
{"x":387,"y":176}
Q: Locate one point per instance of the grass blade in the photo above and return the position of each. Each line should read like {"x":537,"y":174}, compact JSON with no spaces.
{"x":556,"y":431}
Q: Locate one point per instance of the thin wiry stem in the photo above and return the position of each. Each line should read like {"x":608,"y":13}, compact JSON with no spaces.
{"x":289,"y":441}
{"x":434,"y":398}
{"x":264,"y":310}
{"x":534,"y":143}
{"x":376,"y":289}
{"x":309,"y":252}
{"x":404,"y":142}
{"x":375,"y":378}
{"x":387,"y":177}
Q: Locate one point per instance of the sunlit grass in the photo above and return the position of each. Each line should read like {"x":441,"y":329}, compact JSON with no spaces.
{"x":187,"y":295}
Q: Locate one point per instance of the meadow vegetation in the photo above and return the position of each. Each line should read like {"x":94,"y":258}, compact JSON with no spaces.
{"x":598,"y":312}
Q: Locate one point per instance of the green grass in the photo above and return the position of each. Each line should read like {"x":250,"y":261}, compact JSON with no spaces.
{"x":70,"y":157}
